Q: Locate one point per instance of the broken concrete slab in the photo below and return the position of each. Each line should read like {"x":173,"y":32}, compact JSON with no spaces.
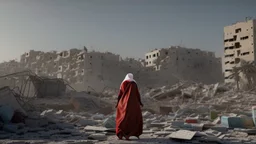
{"x":162,"y":133}
{"x":220,"y":129}
{"x":94,"y":128}
{"x":182,"y":134}
{"x":110,"y":122}
{"x":100,"y":137}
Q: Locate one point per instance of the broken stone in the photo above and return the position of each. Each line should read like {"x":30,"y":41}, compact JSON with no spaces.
{"x":147,"y":132}
{"x":59,"y":112}
{"x":110,"y":122}
{"x":220,"y":129}
{"x":182,"y":134}
{"x":177,"y":124}
{"x":162,"y":133}
{"x":100,"y":137}
{"x":47,"y":112}
{"x":213,"y":133}
{"x":98,"y":117}
{"x":94,"y":128}
{"x":85,"y":122}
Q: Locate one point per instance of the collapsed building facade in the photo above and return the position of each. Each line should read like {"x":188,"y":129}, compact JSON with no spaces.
{"x":185,"y":63}
{"x":96,"y":71}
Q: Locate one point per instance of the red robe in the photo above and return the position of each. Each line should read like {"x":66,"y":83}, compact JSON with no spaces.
{"x":128,"y":115}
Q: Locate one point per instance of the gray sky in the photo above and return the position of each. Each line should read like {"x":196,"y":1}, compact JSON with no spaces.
{"x":126,"y":27}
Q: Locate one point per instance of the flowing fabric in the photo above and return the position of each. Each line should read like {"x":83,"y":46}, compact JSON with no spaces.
{"x":128,"y":116}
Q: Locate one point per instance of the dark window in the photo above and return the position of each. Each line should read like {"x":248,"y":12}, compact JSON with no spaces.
{"x":238,"y":52}
{"x":61,"y":54}
{"x":235,"y":38}
{"x":226,"y":62}
{"x":237,"y":45}
{"x":146,"y":57}
{"x":246,"y":53}
{"x":167,"y":53}
{"x":90,"y":56}
{"x":238,"y":30}
{"x":154,"y":55}
{"x":244,"y":38}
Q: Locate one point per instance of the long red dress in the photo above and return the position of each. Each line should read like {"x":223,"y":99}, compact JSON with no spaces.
{"x":128,"y":116}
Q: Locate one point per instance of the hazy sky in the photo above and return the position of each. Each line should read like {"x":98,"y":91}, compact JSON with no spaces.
{"x":126,"y":27}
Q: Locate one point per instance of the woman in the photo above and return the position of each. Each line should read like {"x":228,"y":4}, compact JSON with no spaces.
{"x":128,"y":115}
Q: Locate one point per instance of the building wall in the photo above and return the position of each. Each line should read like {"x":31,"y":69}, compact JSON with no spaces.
{"x":239,"y":43}
{"x":95,"y":71}
{"x":192,"y":64}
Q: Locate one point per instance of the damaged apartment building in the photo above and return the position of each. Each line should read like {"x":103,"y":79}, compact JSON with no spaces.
{"x":185,"y":63}
{"x":83,"y":70}
{"x":97,"y":71}
{"x":239,"y":44}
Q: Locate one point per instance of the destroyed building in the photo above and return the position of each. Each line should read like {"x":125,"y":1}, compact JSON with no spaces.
{"x":186,"y":63}
{"x":96,"y":71}
{"x":239,"y":44}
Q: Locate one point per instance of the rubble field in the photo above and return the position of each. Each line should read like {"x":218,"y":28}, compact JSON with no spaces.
{"x":183,"y":113}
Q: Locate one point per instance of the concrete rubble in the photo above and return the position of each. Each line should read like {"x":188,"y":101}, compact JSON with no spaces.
{"x":184,"y":113}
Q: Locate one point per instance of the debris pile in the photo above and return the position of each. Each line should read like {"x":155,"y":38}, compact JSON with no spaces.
{"x":186,"y":112}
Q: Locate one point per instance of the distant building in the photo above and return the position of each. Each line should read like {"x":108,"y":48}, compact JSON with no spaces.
{"x":152,"y":57}
{"x":239,"y":44}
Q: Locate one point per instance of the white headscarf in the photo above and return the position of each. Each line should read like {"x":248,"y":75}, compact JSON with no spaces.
{"x":128,"y":77}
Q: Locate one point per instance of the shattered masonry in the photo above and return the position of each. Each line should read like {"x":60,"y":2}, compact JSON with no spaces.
{"x":95,"y":71}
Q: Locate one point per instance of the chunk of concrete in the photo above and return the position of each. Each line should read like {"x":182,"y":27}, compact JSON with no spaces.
{"x":182,"y":134}
{"x":99,"y":137}
{"x":85,"y":122}
{"x":98,"y":117}
{"x":94,"y":128}
{"x":162,"y":133}
{"x":110,"y":122}
{"x":220,"y":129}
